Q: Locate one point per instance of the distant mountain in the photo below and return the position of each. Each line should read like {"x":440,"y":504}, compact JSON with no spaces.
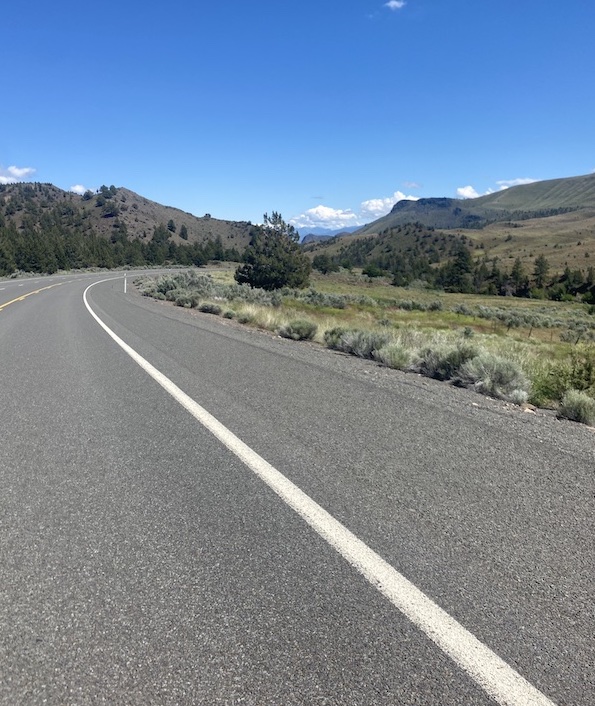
{"x":317,"y":234}
{"x":554,"y":218}
{"x":541,"y":199}
{"x":313,"y":238}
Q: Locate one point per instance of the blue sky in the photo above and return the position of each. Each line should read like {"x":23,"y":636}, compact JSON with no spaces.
{"x":326,"y":111}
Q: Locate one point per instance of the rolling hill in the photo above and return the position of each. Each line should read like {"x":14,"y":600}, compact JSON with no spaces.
{"x":554,"y":218}
{"x":542,"y":199}
{"x":118,"y":209}
{"x":45,"y":229}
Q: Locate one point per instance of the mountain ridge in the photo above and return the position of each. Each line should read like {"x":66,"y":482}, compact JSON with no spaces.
{"x":119,"y":208}
{"x":540,"y":199}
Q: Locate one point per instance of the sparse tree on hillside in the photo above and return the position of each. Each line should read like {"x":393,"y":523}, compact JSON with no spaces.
{"x":160,"y":234}
{"x":110,"y":209}
{"x":324,"y":264}
{"x":273,"y":258}
{"x":540,"y":271}
{"x":518,"y":279}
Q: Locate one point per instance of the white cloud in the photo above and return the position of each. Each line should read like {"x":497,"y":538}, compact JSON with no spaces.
{"x":467,"y":192}
{"x":334,"y":219}
{"x":375,"y":208}
{"x":78,"y":189}
{"x":20,"y":172}
{"x":325,"y":217}
{"x":395,"y":4}
{"x":411,"y":185}
{"x":506,"y":183}
{"x":13,"y":174}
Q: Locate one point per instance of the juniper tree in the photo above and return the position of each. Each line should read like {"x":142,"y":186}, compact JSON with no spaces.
{"x":273,"y":259}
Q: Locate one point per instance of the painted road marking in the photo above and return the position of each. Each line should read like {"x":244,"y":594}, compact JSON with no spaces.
{"x":493,"y":674}
{"x":24,"y":296}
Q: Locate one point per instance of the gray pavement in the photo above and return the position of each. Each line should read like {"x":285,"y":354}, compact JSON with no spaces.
{"x":142,"y":563}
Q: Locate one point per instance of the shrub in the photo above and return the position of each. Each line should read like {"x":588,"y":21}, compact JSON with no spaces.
{"x":320,"y":299}
{"x":518,"y":397}
{"x":333,"y":336}
{"x":549,"y":382}
{"x":299,"y":330}
{"x":578,"y":407}
{"x":493,"y":375}
{"x":363,"y":344}
{"x":583,"y":367}
{"x":463,"y":310}
{"x":185,"y":299}
{"x":245,"y":318}
{"x":443,"y":361}
{"x":355,"y":341}
{"x":171,"y":294}
{"x":393,"y":355}
{"x":209,"y":308}
{"x":229,"y":314}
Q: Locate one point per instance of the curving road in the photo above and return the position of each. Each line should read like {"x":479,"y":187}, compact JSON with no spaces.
{"x":350,"y":535}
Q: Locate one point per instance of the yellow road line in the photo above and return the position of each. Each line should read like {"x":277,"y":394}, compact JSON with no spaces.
{"x":24,"y":296}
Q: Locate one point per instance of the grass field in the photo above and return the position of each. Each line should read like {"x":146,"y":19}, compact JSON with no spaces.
{"x":515,"y":349}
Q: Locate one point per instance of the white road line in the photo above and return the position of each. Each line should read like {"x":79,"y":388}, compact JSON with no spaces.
{"x":496,"y":677}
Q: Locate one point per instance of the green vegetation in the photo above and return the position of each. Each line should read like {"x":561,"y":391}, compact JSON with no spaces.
{"x":273,"y":259}
{"x":445,"y":361}
{"x":43,"y":231}
{"x":414,"y":253}
{"x":450,"y":337}
{"x":210,"y":308}
{"x":43,"y":227}
{"x":437,"y":303}
{"x":496,"y":376}
{"x":299,"y":330}
{"x":578,"y":407}
{"x":362,"y":343}
{"x":543,"y":199}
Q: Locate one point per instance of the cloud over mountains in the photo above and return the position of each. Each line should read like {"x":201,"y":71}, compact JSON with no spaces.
{"x":335,"y":219}
{"x":469,"y":192}
{"x":13,"y":174}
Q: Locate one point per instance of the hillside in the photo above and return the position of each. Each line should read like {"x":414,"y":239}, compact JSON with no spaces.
{"x":45,"y":229}
{"x":117,"y":209}
{"x":541,"y":200}
{"x":554,"y":219}
{"x":316,"y":234}
{"x":413,"y":238}
{"x":532,"y":240}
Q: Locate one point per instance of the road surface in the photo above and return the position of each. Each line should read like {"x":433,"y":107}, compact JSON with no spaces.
{"x":309,"y":529}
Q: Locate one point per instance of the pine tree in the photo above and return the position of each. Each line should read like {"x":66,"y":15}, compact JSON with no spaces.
{"x":273,"y":258}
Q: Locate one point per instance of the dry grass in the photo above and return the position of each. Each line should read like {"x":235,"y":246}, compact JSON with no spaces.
{"x":550,"y":364}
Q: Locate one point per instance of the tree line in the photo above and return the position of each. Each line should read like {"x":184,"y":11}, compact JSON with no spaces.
{"x":445,"y":261}
{"x":55,"y":246}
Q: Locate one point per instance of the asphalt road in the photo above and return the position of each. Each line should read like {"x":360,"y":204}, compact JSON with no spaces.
{"x":142,"y":562}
